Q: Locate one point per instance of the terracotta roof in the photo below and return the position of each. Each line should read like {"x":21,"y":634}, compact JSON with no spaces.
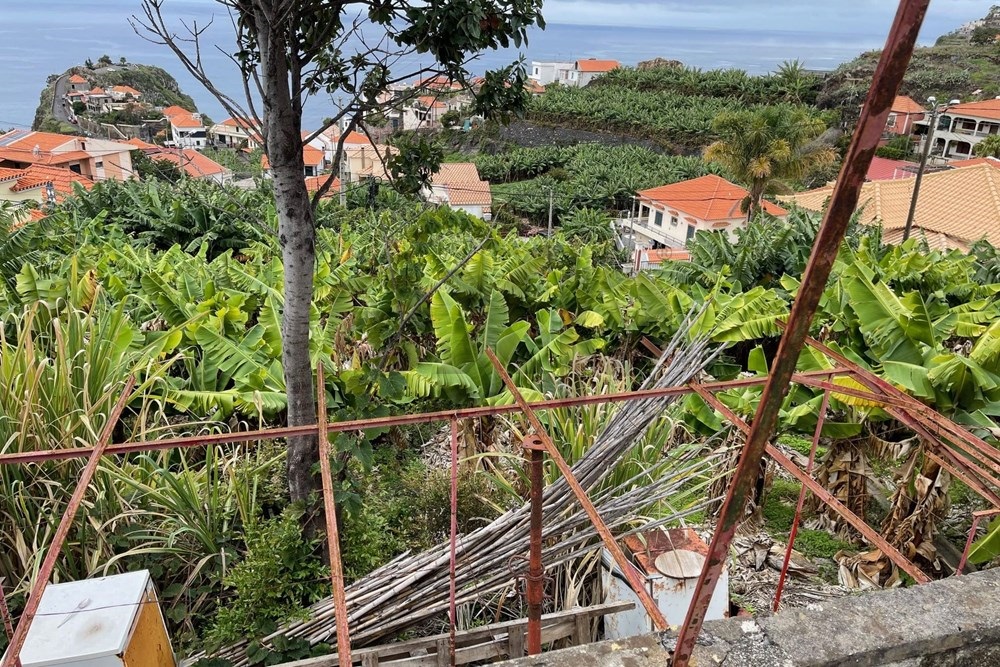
{"x":240,"y":123}
{"x":956,"y":207}
{"x":127,"y":90}
{"x":185,"y":120}
{"x":312,"y":156}
{"x":76,"y":78}
{"x":534,"y":87}
{"x":37,"y":176}
{"x":883,"y":169}
{"x":356,"y":138}
{"x":906,"y":105}
{"x":650,"y":256}
{"x":430,"y":102}
{"x":139,"y":143}
{"x":45,"y":141}
{"x":462,"y":182}
{"x":708,"y":198}
{"x":194,"y":163}
{"x":175,"y":110}
{"x":439,"y":82}
{"x":594,"y":65}
{"x":985,"y":109}
{"x":96,"y":92}
{"x":313,"y":184}
{"x":992,"y":161}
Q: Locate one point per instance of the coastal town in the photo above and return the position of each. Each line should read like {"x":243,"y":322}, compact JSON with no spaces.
{"x":570,"y":361}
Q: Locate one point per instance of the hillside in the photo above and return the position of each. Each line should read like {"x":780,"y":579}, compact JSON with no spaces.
{"x":157,"y":86}
{"x":963,"y":64}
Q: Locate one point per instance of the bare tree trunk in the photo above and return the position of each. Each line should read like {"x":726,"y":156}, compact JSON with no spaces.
{"x":297,"y":236}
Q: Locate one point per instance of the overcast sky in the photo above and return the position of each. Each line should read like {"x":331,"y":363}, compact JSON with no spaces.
{"x":841,"y":16}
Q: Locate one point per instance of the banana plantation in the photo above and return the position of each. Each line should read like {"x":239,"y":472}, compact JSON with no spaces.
{"x":180,"y":284}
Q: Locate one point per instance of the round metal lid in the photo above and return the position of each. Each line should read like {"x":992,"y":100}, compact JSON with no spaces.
{"x":680,"y":563}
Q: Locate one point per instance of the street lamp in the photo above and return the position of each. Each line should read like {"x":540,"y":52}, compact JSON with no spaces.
{"x":931,"y":127}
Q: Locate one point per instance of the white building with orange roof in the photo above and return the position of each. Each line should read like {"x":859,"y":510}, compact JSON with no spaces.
{"x":236,"y":133}
{"x":40,"y":184}
{"x":961,"y":126}
{"x":544,"y":73}
{"x":186,"y":128}
{"x":77,"y":84}
{"x":458,"y":185}
{"x":96,"y":159}
{"x":124,"y":93}
{"x":670,"y":215}
{"x":585,"y":71}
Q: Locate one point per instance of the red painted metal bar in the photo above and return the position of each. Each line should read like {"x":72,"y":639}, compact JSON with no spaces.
{"x":947,"y":461}
{"x":976,"y":518}
{"x":8,"y":626}
{"x":12,"y":656}
{"x":602,"y":529}
{"x":534,"y":450}
{"x":825,"y":496}
{"x":885,"y":83}
{"x":384,"y":422}
{"x":453,"y":544}
{"x":918,"y":409}
{"x":821,"y":418}
{"x":332,"y":530}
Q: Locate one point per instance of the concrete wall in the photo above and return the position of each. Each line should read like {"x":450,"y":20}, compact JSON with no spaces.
{"x":945,"y":623}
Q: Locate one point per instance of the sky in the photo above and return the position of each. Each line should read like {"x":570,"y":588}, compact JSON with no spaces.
{"x":840,"y":16}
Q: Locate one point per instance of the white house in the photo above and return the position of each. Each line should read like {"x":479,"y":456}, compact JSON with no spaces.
{"x":961,"y":126}
{"x":457,"y":184}
{"x":585,"y":71}
{"x":235,"y":133}
{"x":186,"y":129}
{"x":551,"y":72}
{"x":670,"y":215}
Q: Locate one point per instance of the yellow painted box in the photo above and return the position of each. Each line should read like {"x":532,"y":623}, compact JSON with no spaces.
{"x":111,"y":621}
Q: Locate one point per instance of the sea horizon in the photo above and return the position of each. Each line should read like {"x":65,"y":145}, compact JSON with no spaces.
{"x":69,"y":36}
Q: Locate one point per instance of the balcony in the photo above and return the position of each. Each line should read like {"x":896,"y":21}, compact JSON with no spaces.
{"x":640,"y":232}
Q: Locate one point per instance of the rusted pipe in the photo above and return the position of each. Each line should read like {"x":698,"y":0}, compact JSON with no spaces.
{"x":885,"y":83}
{"x":602,"y":529}
{"x":534,"y":449}
{"x":381,"y":422}
{"x":453,"y":544}
{"x":976,"y":518}
{"x":13,"y":654}
{"x":332,"y":530}
{"x":820,"y":420}
{"x":827,"y":498}
{"x":8,"y":626}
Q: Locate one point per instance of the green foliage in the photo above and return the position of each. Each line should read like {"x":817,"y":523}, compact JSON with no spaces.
{"x":163,"y":170}
{"x":279,"y":574}
{"x":897,"y":148}
{"x":157,"y":86}
{"x":988,"y":147}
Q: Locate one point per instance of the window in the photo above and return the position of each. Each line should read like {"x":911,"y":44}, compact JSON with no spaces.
{"x":658,"y":219}
{"x":99,"y":164}
{"x":673,"y":221}
{"x":690,"y":234}
{"x":892,"y":120}
{"x":536,"y":71}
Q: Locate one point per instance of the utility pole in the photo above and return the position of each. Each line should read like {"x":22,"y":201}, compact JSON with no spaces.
{"x":932,"y":126}
{"x":550,"y":212}
{"x":343,"y":159}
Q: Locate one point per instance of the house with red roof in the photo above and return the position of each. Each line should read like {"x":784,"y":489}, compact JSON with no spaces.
{"x":193,"y":163}
{"x":77,"y":84}
{"x":124,"y":93}
{"x":313,"y":162}
{"x":458,"y":185}
{"x":545,"y":72}
{"x":884,"y":169}
{"x":585,"y":71}
{"x":96,"y":159}
{"x":39,"y":184}
{"x":186,"y":128}
{"x":236,"y":133}
{"x":670,"y":215}
{"x":961,"y":126}
{"x":903,"y":114}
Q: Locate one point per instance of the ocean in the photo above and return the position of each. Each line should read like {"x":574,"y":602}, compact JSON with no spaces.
{"x":47,"y":36}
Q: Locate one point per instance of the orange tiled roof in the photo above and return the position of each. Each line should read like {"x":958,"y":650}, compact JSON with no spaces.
{"x":594,"y":65}
{"x":175,"y":110}
{"x":992,"y":161}
{"x":240,"y":123}
{"x":127,"y":90}
{"x":184,"y":120}
{"x":430,"y":102}
{"x":956,"y":207}
{"x":96,"y":92}
{"x":906,"y":105}
{"x":76,"y":78}
{"x":660,"y":255}
{"x":194,"y":163}
{"x":37,"y":176}
{"x":313,"y":184}
{"x":312,"y":156}
{"x":708,"y":198}
{"x":884,"y":169}
{"x":985,"y":109}
{"x":464,"y":186}
{"x":139,"y":143}
{"x":45,"y":141}
{"x":439,"y":82}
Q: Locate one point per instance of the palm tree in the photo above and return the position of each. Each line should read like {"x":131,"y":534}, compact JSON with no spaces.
{"x":988,"y":147}
{"x":768,"y":147}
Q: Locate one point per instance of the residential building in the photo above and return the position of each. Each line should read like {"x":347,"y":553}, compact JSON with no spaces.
{"x":193,"y":163}
{"x":545,"y":73}
{"x":362,"y":158}
{"x":186,"y":128}
{"x":97,"y":159}
{"x":955,"y":207}
{"x":40,"y":184}
{"x":884,"y":169}
{"x":77,"y":84}
{"x":649,"y":259}
{"x":236,"y":133}
{"x":314,"y":183}
{"x":124,"y":93}
{"x":458,"y":185}
{"x":313,"y":161}
{"x":903,"y":114}
{"x":961,"y":126}
{"x":585,"y":71}
{"x":670,"y":215}
{"x":97,"y":100}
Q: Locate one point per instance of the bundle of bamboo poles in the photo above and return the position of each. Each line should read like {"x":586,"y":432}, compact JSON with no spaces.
{"x":413,"y":588}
